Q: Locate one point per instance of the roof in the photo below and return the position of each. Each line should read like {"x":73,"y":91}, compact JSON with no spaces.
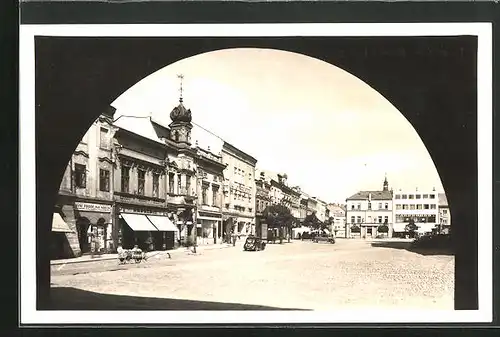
{"x":375,"y":195}
{"x":141,"y":126}
{"x":442,"y":200}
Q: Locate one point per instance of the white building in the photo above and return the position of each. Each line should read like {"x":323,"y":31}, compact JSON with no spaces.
{"x":370,"y":209}
{"x":422,"y":207}
{"x":337,"y":214}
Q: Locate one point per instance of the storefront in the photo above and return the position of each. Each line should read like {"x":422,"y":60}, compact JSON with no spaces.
{"x":149,"y":231}
{"x":94,"y":227}
{"x":208,"y":227}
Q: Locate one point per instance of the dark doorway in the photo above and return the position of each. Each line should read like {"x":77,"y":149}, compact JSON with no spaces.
{"x":82,"y":227}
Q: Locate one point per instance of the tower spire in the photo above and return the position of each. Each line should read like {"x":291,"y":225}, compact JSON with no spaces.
{"x":386,"y":183}
{"x":181,"y":77}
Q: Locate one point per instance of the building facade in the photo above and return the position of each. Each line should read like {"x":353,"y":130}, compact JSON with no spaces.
{"x":239,"y":191}
{"x":368,"y":210}
{"x":444,"y":220}
{"x":85,"y":199}
{"x":422,"y":207}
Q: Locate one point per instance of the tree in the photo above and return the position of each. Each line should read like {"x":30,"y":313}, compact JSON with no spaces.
{"x":384,"y":228}
{"x":411,"y":228}
{"x":355,"y":229}
{"x":280,"y":217}
{"x":312,"y":221}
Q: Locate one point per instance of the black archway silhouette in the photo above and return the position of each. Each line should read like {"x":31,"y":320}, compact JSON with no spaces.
{"x":431,"y":80}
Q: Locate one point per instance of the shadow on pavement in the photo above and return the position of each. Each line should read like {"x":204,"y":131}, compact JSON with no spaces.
{"x":68,"y":298}
{"x":409,"y":247}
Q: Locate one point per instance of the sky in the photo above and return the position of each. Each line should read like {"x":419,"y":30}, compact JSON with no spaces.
{"x":330,"y":132}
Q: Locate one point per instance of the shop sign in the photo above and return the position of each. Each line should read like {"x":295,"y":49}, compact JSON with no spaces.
{"x":84,"y":206}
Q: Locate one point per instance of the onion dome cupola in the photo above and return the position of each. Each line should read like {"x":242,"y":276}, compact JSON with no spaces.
{"x":180,"y":128}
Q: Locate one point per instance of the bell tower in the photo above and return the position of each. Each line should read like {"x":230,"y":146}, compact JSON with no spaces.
{"x":386,"y":183}
{"x":180,"y":128}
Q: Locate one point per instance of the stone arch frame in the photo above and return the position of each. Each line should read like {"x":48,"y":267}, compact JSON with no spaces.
{"x":419,"y":95}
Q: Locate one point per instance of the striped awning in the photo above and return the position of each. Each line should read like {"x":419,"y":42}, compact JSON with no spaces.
{"x":162,"y":223}
{"x":59,"y":225}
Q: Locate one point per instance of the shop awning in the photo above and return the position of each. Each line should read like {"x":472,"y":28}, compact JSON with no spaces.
{"x":138,"y":222}
{"x":59,"y":225}
{"x":163,"y":223}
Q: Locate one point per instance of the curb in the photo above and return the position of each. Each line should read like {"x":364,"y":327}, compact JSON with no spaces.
{"x":98,"y":259}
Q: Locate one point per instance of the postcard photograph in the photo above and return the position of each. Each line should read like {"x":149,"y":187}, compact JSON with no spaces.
{"x":333,"y":173}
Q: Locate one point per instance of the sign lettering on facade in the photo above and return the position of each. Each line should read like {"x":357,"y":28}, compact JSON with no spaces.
{"x":84,"y":206}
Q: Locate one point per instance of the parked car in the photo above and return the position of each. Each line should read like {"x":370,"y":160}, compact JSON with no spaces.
{"x":253,"y":243}
{"x":324,"y":238}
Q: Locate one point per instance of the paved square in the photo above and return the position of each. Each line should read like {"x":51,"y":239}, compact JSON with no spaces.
{"x":300,"y":275}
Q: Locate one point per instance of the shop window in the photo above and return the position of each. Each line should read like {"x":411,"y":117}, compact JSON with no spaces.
{"x":103,"y":180}
{"x":125,"y":179}
{"x":141,"y":179}
{"x":103,"y":139}
{"x":156,"y":185}
{"x":80,"y":176}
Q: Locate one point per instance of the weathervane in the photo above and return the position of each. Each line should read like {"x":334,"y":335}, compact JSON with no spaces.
{"x":181,"y":77}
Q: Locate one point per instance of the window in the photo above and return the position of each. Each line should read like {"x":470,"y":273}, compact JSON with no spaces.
{"x":433,"y":206}
{"x":80,"y":176}
{"x":179,"y":183}
{"x":419,"y":206}
{"x":432,"y":196}
{"x":386,"y":205}
{"x":445,"y":211}
{"x":359,"y":219}
{"x":412,"y":207}
{"x":398,"y":196}
{"x":386,"y":219}
{"x":352,"y":207}
{"x":405,"y":206}
{"x":188,"y":185}
{"x":369,"y":219}
{"x":369,"y":205}
{"x":379,"y":205}
{"x":204,"y":195}
{"x":417,"y":196}
{"x":103,"y":139}
{"x":411,"y":196}
{"x":398,"y":206}
{"x":353,"y":219}
{"x":125,"y":178}
{"x":404,"y":196}
{"x":171,"y":177}
{"x":379,"y":219}
{"x":250,"y":209}
{"x":141,"y":178}
{"x":359,"y":206}
{"x":426,"y":206}
{"x":425,"y":196}
{"x":215,"y":191}
{"x":103,"y":180}
{"x":156,"y":184}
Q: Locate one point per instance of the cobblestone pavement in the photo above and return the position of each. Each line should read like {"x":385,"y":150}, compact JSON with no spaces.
{"x":348,"y":274}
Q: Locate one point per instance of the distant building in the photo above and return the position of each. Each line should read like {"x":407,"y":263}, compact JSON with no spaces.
{"x":337,"y":215}
{"x":444,"y":220}
{"x":370,"y":209}
{"x":420,"y":206}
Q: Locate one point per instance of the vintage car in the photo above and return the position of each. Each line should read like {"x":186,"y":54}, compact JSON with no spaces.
{"x":253,"y":243}
{"x":324,"y":238}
